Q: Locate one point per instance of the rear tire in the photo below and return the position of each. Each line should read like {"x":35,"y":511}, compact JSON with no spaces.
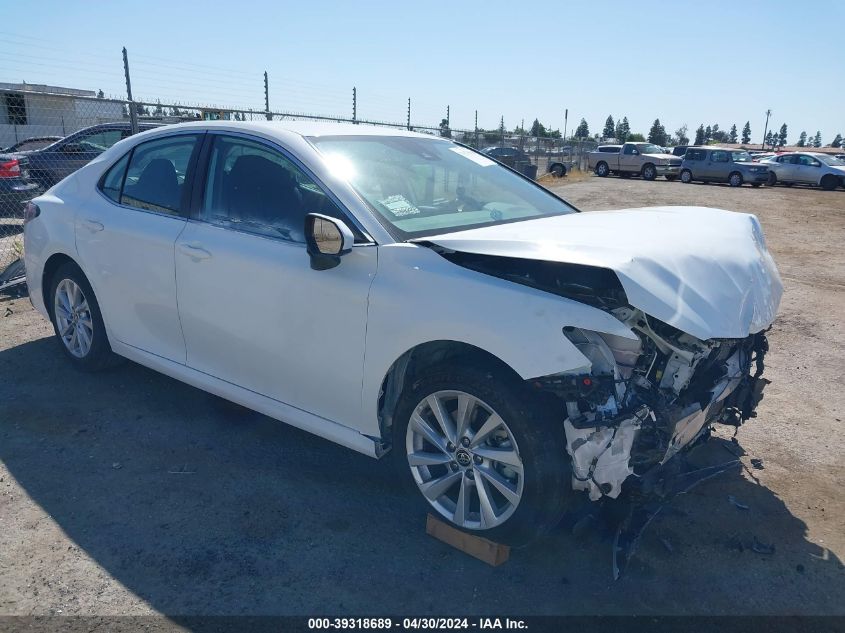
{"x":686,"y":176}
{"x":602,"y":169}
{"x":448,"y":463}
{"x":558,"y":171}
{"x":77,"y":321}
{"x":649,"y":172}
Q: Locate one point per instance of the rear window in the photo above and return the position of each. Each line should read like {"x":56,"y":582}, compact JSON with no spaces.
{"x":610,"y":150}
{"x":695,"y":154}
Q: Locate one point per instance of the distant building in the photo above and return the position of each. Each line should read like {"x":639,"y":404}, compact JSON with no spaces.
{"x":28,"y":110}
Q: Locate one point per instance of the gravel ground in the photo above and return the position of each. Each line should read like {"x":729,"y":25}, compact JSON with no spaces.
{"x":131,"y":493}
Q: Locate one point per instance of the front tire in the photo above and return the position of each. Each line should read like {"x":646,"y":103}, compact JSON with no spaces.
{"x":484,"y":455}
{"x":829,"y":183}
{"x":77,"y":321}
{"x":773,"y":179}
{"x":686,"y":176}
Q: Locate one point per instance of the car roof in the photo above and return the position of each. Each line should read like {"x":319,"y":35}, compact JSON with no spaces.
{"x":303,"y":128}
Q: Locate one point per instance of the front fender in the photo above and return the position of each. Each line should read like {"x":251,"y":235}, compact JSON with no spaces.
{"x":418,"y":297}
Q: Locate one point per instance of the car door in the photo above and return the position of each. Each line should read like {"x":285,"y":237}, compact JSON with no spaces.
{"x":253,"y":311}
{"x":787,"y":168}
{"x":808,"y":169}
{"x":125,"y":241}
{"x":717,"y":166}
{"x":629,"y":158}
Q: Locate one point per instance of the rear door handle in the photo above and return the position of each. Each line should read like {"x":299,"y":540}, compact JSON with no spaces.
{"x":195,"y":252}
{"x":93,"y":225}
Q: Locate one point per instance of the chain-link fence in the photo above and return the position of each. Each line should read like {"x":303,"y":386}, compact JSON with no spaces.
{"x":49,"y":130}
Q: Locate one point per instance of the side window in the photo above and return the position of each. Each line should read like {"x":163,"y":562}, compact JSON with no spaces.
{"x":254,"y":188}
{"x":719,"y":157}
{"x":100,"y":141}
{"x":112,"y":181}
{"x":808,"y":161}
{"x":155,"y":179}
{"x":694,"y":154}
{"x":629,"y":150}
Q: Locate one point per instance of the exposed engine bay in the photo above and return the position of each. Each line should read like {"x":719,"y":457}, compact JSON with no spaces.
{"x":642,"y":400}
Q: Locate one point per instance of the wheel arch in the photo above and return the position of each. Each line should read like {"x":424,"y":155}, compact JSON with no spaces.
{"x":404,"y":370}
{"x":50,"y":267}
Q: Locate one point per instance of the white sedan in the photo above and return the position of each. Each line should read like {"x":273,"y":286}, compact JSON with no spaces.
{"x":402,"y":294}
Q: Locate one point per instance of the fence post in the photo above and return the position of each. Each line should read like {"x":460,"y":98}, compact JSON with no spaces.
{"x":267,"y":98}
{"x":476,"y":129}
{"x":409,"y":113}
{"x":133,"y":114}
{"x":354,"y":105}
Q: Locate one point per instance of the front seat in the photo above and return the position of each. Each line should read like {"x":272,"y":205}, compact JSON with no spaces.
{"x":158,"y":185}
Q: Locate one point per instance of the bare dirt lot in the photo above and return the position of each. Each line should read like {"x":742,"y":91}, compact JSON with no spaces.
{"x":131,"y":493}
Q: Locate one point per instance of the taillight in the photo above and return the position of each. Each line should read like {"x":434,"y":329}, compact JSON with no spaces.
{"x":10,"y":169}
{"x":30,"y":212}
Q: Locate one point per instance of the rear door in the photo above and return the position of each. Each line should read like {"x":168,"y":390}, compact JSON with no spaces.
{"x":718,"y":165}
{"x":125,"y":239}
{"x":787,"y":168}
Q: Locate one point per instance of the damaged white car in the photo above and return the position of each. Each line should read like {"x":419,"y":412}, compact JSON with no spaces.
{"x":408,"y":297}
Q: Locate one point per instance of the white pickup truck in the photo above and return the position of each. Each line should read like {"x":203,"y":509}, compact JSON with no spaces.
{"x":634,"y":159}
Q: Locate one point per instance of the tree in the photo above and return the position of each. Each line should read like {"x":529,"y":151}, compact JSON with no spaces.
{"x":174,"y":111}
{"x":802,"y":139}
{"x":681,"y":134}
{"x":139,"y":109}
{"x":609,"y":128}
{"x":817,"y":140}
{"x":538,"y":129}
{"x":708,"y":134}
{"x":782,"y":135}
{"x":746,"y":132}
{"x":837,"y":141}
{"x":733,"y":135}
{"x":769,"y":138}
{"x":657,"y":133}
{"x":718,"y":135}
{"x":699,"y":135}
{"x":623,"y":130}
{"x":583,"y":130}
{"x":158,"y":109}
{"x":444,"y":128}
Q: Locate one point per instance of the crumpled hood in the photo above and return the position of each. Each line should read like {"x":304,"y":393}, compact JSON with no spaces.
{"x":704,"y":271}
{"x":663,"y":156}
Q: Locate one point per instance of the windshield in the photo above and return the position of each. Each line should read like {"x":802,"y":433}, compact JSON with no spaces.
{"x":741,"y":157}
{"x":830,"y":160}
{"x":422,"y":186}
{"x":648,"y":148}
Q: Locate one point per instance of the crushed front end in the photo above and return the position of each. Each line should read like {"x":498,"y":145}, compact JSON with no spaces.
{"x":645,"y":401}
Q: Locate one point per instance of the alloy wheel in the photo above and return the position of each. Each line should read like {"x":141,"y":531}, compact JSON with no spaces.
{"x":73,"y":318}
{"x":464,"y":459}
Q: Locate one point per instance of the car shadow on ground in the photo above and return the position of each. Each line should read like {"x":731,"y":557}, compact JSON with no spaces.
{"x":203,"y":508}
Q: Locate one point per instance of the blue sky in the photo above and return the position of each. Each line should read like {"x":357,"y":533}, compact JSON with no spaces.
{"x":684,"y":62}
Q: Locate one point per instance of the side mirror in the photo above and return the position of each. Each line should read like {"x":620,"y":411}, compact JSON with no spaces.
{"x":327,"y":240}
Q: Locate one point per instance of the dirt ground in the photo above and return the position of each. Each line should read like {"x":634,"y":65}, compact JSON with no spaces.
{"x":131,"y":493}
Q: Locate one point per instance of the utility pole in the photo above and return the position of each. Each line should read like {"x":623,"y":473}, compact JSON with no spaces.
{"x":766,"y":129}
{"x":409,"y":113}
{"x":476,"y":129}
{"x":448,"y":121}
{"x":354,"y":105}
{"x":267,"y":98}
{"x":565,"y":121}
{"x":133,"y":115}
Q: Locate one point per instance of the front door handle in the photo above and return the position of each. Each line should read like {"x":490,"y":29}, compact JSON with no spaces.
{"x":195,"y":252}
{"x":93,"y":225}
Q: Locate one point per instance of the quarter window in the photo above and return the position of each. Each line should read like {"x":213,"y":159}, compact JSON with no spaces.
{"x":113,"y":180}
{"x":252,"y":187}
{"x":155,"y":179}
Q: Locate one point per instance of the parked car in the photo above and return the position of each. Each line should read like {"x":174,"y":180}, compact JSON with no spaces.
{"x":760,"y":156}
{"x":16,"y":186}
{"x":679,"y":150}
{"x":29,"y":144}
{"x":634,"y":159}
{"x":409,"y":297}
{"x":839,"y":156}
{"x":719,"y":164}
{"x":50,"y":164}
{"x":807,"y":168}
{"x":517,"y":159}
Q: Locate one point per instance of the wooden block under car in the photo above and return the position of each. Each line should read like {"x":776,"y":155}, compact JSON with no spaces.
{"x":491,"y":553}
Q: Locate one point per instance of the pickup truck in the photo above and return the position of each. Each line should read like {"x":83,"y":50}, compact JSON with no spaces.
{"x":634,"y":159}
